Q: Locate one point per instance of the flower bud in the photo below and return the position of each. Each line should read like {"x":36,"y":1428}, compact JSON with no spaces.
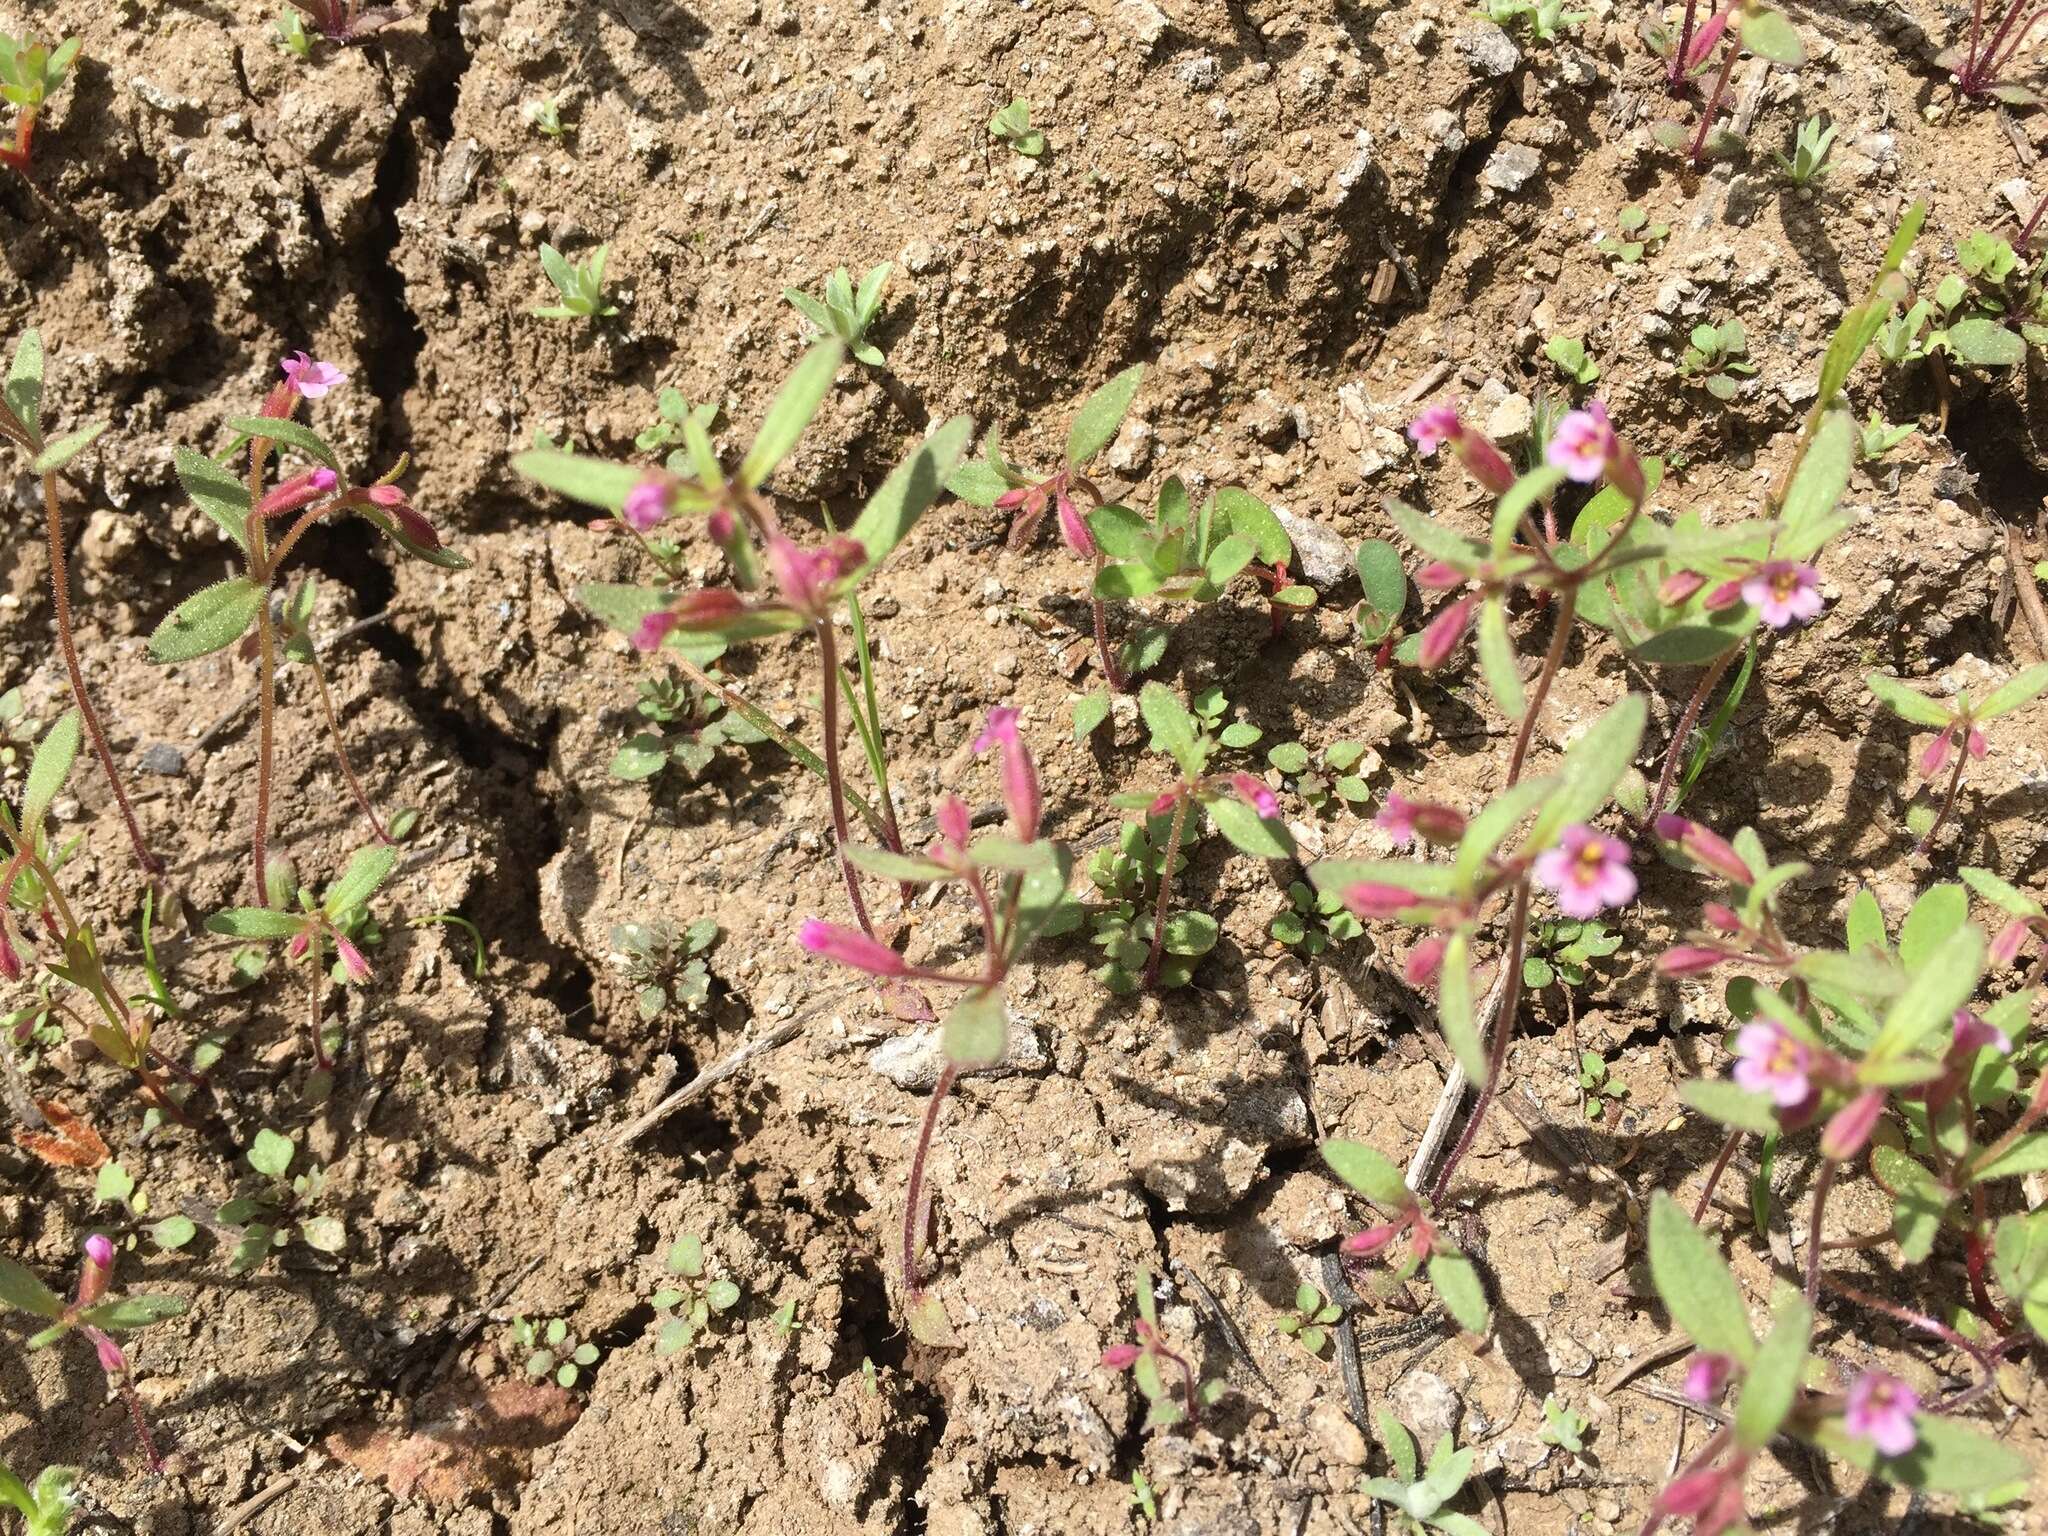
{"x":646,"y":505}
{"x":1437,"y":576}
{"x":1935,"y":753}
{"x":1688,"y":960}
{"x":290,"y":495}
{"x":1706,"y":848}
{"x":1443,"y":633}
{"x":849,"y":946}
{"x":99,"y":1251}
{"x":1679,"y":586}
{"x":1484,"y":462}
{"x":1721,"y":917}
{"x":1424,"y":961}
{"x":1020,"y":774}
{"x":1361,"y":1245}
{"x":1726,"y":595}
{"x":1254,"y":794}
{"x":10,"y":960}
{"x":353,"y":965}
{"x":1370,"y":899}
{"x":1121,"y":1357}
{"x":1850,"y":1126}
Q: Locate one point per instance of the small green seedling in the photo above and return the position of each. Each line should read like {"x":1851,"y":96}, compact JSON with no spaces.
{"x":1321,"y":785}
{"x":1128,"y":875}
{"x":1810,"y":148}
{"x":1309,"y":1323}
{"x":690,"y":725}
{"x":1880,"y":437}
{"x":18,"y":731}
{"x":693,"y":1300}
{"x":266,"y":1218}
{"x":292,"y":35}
{"x":47,"y":1504}
{"x":551,"y":1350}
{"x":1141,"y":1498}
{"x":671,"y":429}
{"x":1637,"y":237}
{"x":666,"y":964}
{"x":1563,"y":1427}
{"x":1563,"y":949}
{"x":1418,"y":1494}
{"x":1383,"y":595}
{"x":1718,"y":356}
{"x":1569,"y":355}
{"x":1597,"y":1085}
{"x":1958,"y":724}
{"x":29,"y":72}
{"x":1544,"y":20}
{"x":846,"y":312}
{"x":544,"y":116}
{"x":1013,"y":126}
{"x":1149,"y":1356}
{"x":784,"y":1319}
{"x":1313,"y":921}
{"x":581,"y":285}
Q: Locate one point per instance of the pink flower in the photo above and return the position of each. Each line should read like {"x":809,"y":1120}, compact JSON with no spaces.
{"x":1370,"y":899}
{"x":1441,"y":635}
{"x":1972,"y":1034}
{"x":1361,"y":1245}
{"x":1705,"y":847}
{"x":1163,"y":802}
{"x":1020,"y":774}
{"x":309,"y":378}
{"x":1404,"y":820}
{"x":1583,"y":444}
{"x":1784,"y":592}
{"x":1437,"y":425}
{"x":849,"y":946}
{"x":1688,"y":960}
{"x":99,"y":1252}
{"x":2012,"y":938}
{"x":1437,"y":576}
{"x":1880,"y":1409}
{"x":722,"y":526}
{"x":1769,"y":1060}
{"x":1424,"y":961}
{"x":1588,"y":872}
{"x":1073,"y":530}
{"x":1254,"y":794}
{"x":1397,"y":819}
{"x":10,"y":959}
{"x":653,"y":630}
{"x":290,"y":495}
{"x":646,"y":505}
{"x":1706,"y":1376}
{"x":1678,"y":586}
{"x":1850,"y":1126}
{"x":391,"y":500}
{"x":1935,"y":753}
{"x":954,"y":821}
{"x":809,"y":578}
{"x":1121,"y":1357}
{"x":353,"y":965}
{"x":1720,"y":916}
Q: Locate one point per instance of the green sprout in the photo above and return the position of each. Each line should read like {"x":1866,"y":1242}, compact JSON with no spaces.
{"x":47,"y":1504}
{"x":1313,"y":920}
{"x":693,"y":1300}
{"x":552,"y":1350}
{"x":665,"y":963}
{"x":292,"y":35}
{"x":1638,"y":237}
{"x":1418,"y":1494}
{"x":1563,"y":1426}
{"x":1718,"y":356}
{"x":581,"y":285}
{"x":1810,"y":148}
{"x":1308,"y":1324}
{"x":29,"y":72}
{"x":846,"y":312}
{"x":1013,"y":126}
{"x":544,"y":116}
{"x":1569,"y":354}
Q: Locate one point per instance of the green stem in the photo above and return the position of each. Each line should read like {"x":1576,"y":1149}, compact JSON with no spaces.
{"x":1180,"y":819}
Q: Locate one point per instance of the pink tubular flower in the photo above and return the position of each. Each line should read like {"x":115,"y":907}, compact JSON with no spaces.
{"x":2005,"y":949}
{"x":1880,"y":1409}
{"x":1706,"y":1376}
{"x":290,"y":495}
{"x":10,"y":960}
{"x":1784,"y":592}
{"x":1362,"y":1245}
{"x":646,"y":505}
{"x":1397,"y":819}
{"x":653,"y":630}
{"x":1254,"y":794}
{"x":1370,"y":899}
{"x":112,"y":1361}
{"x":1073,"y":529}
{"x":1705,"y":847}
{"x":1971,"y":1034}
{"x":1020,"y":774}
{"x":1424,"y":961}
{"x":849,"y":946}
{"x":722,"y":526}
{"x":99,"y":1252}
{"x":353,"y":965}
{"x":1679,"y":586}
{"x":1436,"y":576}
{"x":1121,"y":1357}
{"x":1588,"y":872}
{"x":954,"y":821}
{"x":309,"y":378}
{"x":1850,"y":1126}
{"x":1721,"y":917}
{"x":809,"y":578}
{"x":1583,"y":444}
{"x":1688,"y":960}
{"x":1769,"y":1060}
{"x":1437,"y":425}
{"x":1442,"y":634}
{"x":390,"y":500}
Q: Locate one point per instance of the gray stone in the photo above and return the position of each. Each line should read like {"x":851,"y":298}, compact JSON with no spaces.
{"x":912,"y":1061}
{"x":1490,"y":50}
{"x":163,"y":759}
{"x":1322,"y":558}
{"x":1511,"y":167}
{"x":1426,"y":1403}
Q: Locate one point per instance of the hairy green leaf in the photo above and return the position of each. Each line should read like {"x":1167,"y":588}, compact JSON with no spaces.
{"x":1101,"y":414}
{"x":211,"y":619}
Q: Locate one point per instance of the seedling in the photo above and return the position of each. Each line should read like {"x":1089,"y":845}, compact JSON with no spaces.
{"x":18,"y":730}
{"x":350,"y":21}
{"x":1569,"y":356}
{"x":336,"y":920}
{"x":666,"y":964}
{"x":29,"y":72}
{"x":1985,"y":316}
{"x":1313,"y":921}
{"x":284,"y":1206}
{"x":1718,"y":356}
{"x":1740,"y":26}
{"x":1151,"y":1358}
{"x":1597,"y":1086}
{"x":693,"y":1299}
{"x":668,"y":435}
{"x":1310,"y":1321}
{"x":1810,"y":146}
{"x":1880,"y":437}
{"x":1321,"y":785}
{"x":1544,"y":20}
{"x":21,"y":423}
{"x":580,"y":285}
{"x":1638,"y":237}
{"x":552,"y":1351}
{"x":292,"y":35}
{"x":1417,"y":1493}
{"x":691,"y":725}
{"x":1563,"y":949}
{"x":1408,"y":1222}
{"x":1128,"y":876}
{"x":1141,"y":1499}
{"x":1979,"y":63}
{"x":1563,"y":1426}
{"x":993,"y":481}
{"x":845,"y":312}
{"x":1013,"y":126}
{"x":1958,"y":726}
{"x":784,"y":1319}
{"x":1383,"y":589}
{"x":97,"y":1314}
{"x":544,"y":116}
{"x":46,"y":1505}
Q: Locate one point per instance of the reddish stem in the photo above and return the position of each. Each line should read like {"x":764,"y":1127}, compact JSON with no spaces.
{"x":828,"y":658}
{"x":341,"y":747}
{"x":1713,"y":102}
{"x":1821,"y":1186}
{"x":1728,"y":1145}
{"x":1180,"y":817}
{"x":915,"y":1212}
{"x":1683,"y":732}
{"x":1955,"y":782}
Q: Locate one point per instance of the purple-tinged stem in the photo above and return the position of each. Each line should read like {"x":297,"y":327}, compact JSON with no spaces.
{"x":1728,"y":1146}
{"x":1955,"y":782}
{"x":915,"y":1212}
{"x":1986,"y":1358}
{"x":106,"y":1346}
{"x":1180,"y":819}
{"x":1553,"y":659}
{"x":828,"y":659}
{"x":1497,"y":1051}
{"x":1821,"y":1186}
{"x":1682,"y":733}
{"x":1712,"y":105}
{"x":1675,"y":76}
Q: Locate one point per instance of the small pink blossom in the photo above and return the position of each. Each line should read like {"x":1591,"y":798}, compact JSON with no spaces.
{"x":1121,"y":1357}
{"x":99,"y":1251}
{"x":1706,"y":1376}
{"x":1073,"y":529}
{"x":1588,"y":872}
{"x":1679,"y":586}
{"x":809,"y":578}
{"x":1254,"y":794}
{"x":1849,"y":1128}
{"x":1404,"y":820}
{"x":312,"y":379}
{"x":1688,"y":960}
{"x":1583,"y":444}
{"x":1770,"y":1060}
{"x":955,"y":822}
{"x":1971,"y":1034}
{"x":1705,"y":847}
{"x":1361,"y":1245}
{"x":1437,"y":425}
{"x":2005,"y":949}
{"x":722,"y":526}
{"x":1880,"y":1409}
{"x":1784,"y":592}
{"x":112,"y":1361}
{"x":849,"y":946}
{"x":392,"y":502}
{"x":10,"y":959}
{"x":1437,"y":576}
{"x":290,"y":495}
{"x":1370,"y":899}
{"x":1721,"y":917}
{"x":1397,"y":820}
{"x":1424,"y":961}
{"x":646,"y":505}
{"x":1441,"y":635}
{"x":654,"y":629}
{"x":353,"y":965}
{"x":1020,"y":774}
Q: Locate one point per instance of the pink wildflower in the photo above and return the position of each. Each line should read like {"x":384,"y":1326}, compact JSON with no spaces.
{"x":849,"y":946}
{"x":1588,"y":872}
{"x":1424,"y":961}
{"x":1706,"y":1376}
{"x":1254,"y":794}
{"x":1020,"y":774}
{"x":1705,"y":848}
{"x":1437,"y":425}
{"x":290,"y":495}
{"x":1360,"y":1245}
{"x":1121,"y":1357}
{"x":1784,"y":592}
{"x":1437,"y":576}
{"x":99,"y":1251}
{"x":1073,"y":530}
{"x":1971,"y":1034}
{"x":646,"y":505}
{"x":653,"y":630}
{"x":1770,"y":1060}
{"x":954,"y":821}
{"x":1370,"y":899}
{"x":1584,"y":444}
{"x":309,"y":378}
{"x":1849,"y":1128}
{"x":1442,"y":634}
{"x":353,"y":965}
{"x":809,"y":578}
{"x":1688,"y":960}
{"x":1880,"y":1409}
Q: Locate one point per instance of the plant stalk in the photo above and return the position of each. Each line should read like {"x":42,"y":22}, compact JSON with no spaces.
{"x":1180,"y":820}
{"x":915,"y":1213}
{"x":828,"y":659}
{"x":1682,"y":731}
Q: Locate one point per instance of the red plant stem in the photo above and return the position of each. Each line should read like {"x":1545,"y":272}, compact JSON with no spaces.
{"x":1955,"y":782}
{"x":126,"y":1388}
{"x":1821,"y":1186}
{"x":1682,"y":732}
{"x":313,"y":1003}
{"x":1985,"y":1358}
{"x":914,"y":1213}
{"x":341,"y":747}
{"x":1112,"y":671}
{"x":1675,"y":77}
{"x":1187,"y":1381}
{"x":1713,"y":101}
{"x":1967,"y":75}
{"x":1553,"y":659}
{"x":1180,"y":819}
{"x":266,"y":673}
{"x":60,"y":600}
{"x":2027,"y":229}
{"x":1728,"y":1146}
{"x":1497,"y":1050}
{"x":828,"y":660}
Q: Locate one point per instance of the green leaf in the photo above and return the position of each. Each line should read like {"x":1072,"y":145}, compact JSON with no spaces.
{"x":47,"y":771}
{"x":976,"y":1031}
{"x":1920,"y":1201}
{"x":1692,"y":645}
{"x":1719,"y":1099}
{"x":1456,"y":1282}
{"x":1369,"y":1172}
{"x":326,"y":1234}
{"x":1497,"y":659}
{"x":18,"y":1287}
{"x":289,"y":434}
{"x":1695,"y":1284}
{"x":1948,"y":1457}
{"x":2000,"y":893}
{"x":792,"y":411}
{"x":1939,"y":912}
{"x":270,"y":1154}
{"x":1769,"y":35}
{"x":1772,"y":1383}
{"x":912,"y":486}
{"x":1591,"y":767}
{"x":1101,"y":414}
{"x":1454,"y":1009}
{"x":1192,"y":934}
{"x":686,"y":1256}
{"x":1984,"y":343}
{"x":1400,"y":1446}
{"x":1816,"y":489}
{"x":594,"y":482}
{"x":1264,"y":837}
{"x":131,"y":1312}
{"x":1907,"y":703}
{"x":256,"y":923}
{"x":174,"y":1232}
{"x":641,"y":758}
{"x":1932,"y":995}
{"x":721,"y":1295}
{"x":2015,"y":691}
{"x":56,"y":455}
{"x":1090,"y":710}
{"x":1248,"y":517}
{"x":24,"y":389}
{"x":367,"y":869}
{"x":1866,"y":928}
{"x":2028,"y":1154}
{"x":978,"y":483}
{"x":211,"y":619}
{"x":1433,"y":539}
{"x":1173,"y":729}
{"x":1518,"y":499}
{"x":1501,"y":815}
{"x":1382,"y":577}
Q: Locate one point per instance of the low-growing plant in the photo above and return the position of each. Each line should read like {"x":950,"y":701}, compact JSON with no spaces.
{"x":551,"y":1352}
{"x":1597,"y":1086}
{"x":1718,"y":357}
{"x":350,"y":21}
{"x":96,"y":1313}
{"x":1637,"y":236}
{"x":1409,"y":1232}
{"x":29,"y":72}
{"x":1810,"y":145}
{"x":1417,"y":1493}
{"x":1308,"y":1322}
{"x":1978,"y":65}
{"x":283,"y":1205}
{"x":1569,"y":356}
{"x":1563,"y":1426}
{"x":1127,"y":876}
{"x":846,"y":312}
{"x":1545,"y":21}
{"x":667,"y":434}
{"x":692,"y":1299}
{"x":1383,"y":598}
{"x":690,"y":725}
{"x":544,"y":116}
{"x":292,"y":36}
{"x":1313,"y":920}
{"x":46,"y":1505}
{"x":1738,"y":27}
{"x":1322,"y":782}
{"x":1012,"y":125}
{"x":1958,"y":724}
{"x":666,"y":964}
{"x":1984,"y":316}
{"x":580,"y":285}
{"x":1880,"y":437}
{"x":1151,"y":1358}
{"x":1562,"y":950}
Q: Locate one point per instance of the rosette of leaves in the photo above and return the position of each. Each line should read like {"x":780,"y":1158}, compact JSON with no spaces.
{"x":690,"y":727}
{"x":552,"y":1350}
{"x":1311,"y":1318}
{"x":579,"y":285}
{"x":693,"y":1300}
{"x":1128,"y":875}
{"x":1569,"y":356}
{"x":1418,"y":1493}
{"x":1718,"y":357}
{"x":845,"y":311}
{"x":666,"y":434}
{"x":1637,"y":237}
{"x":1597,"y":1085}
{"x":1313,"y":920}
{"x":666,"y":964}
{"x":1012,"y":125}
{"x":46,"y":1505}
{"x":269,"y":1216}
{"x":29,"y":72}
{"x":1322,"y":782}
{"x":1563,"y":1426}
{"x":1186,"y":555}
{"x":1563,"y":949}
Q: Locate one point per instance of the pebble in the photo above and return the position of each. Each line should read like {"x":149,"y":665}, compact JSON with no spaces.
{"x":1322,"y":558}
{"x":1425,"y":1402}
{"x":163,"y":759}
{"x":1337,"y":1435}
{"x":1511,"y":167}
